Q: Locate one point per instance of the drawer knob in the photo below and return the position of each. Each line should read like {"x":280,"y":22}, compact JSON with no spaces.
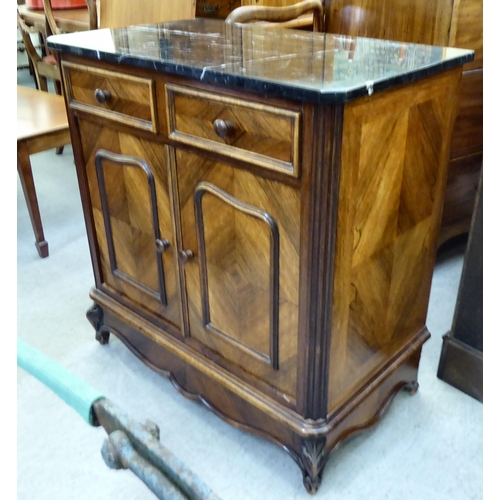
{"x":185,"y":255}
{"x":223,"y":128}
{"x":102,"y":96}
{"x":162,"y":245}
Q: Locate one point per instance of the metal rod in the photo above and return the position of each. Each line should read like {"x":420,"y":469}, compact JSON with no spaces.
{"x":131,"y":444}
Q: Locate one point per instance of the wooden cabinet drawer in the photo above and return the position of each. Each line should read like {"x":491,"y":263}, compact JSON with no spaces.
{"x":265,"y":136}
{"x":119,"y":97}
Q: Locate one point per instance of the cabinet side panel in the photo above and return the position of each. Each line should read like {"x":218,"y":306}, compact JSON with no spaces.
{"x":394,"y":161}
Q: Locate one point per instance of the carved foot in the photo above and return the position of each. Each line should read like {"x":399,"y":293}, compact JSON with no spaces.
{"x":102,"y":337}
{"x":95,"y":315}
{"x":411,"y":387}
{"x":313,"y":462}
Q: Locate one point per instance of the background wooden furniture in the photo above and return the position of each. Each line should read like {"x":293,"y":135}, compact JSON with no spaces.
{"x":221,"y":9}
{"x":41,"y":125}
{"x":51,"y":26}
{"x":241,"y":241}
{"x":281,"y":15}
{"x":116,"y":13}
{"x":57,"y":4}
{"x":120,"y":13}
{"x":67,"y":20}
{"x":461,"y":363}
{"x":454,"y":23}
{"x":43,"y":67}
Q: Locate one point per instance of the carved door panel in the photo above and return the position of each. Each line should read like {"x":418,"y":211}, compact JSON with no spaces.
{"x":239,"y":249}
{"x":128,"y":185}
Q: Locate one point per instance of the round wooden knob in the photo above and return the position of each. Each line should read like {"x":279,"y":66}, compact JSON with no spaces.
{"x":102,"y":96}
{"x":185,"y":255}
{"x":162,"y":245}
{"x":223,"y":128}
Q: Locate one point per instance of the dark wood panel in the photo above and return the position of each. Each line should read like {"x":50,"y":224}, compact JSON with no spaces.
{"x":463,"y":179}
{"x":468,"y":320}
{"x":217,"y":9}
{"x":467,"y":135}
{"x":416,"y":21}
{"x":461,"y":362}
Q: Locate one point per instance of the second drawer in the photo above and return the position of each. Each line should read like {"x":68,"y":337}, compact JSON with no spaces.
{"x":262,"y":135}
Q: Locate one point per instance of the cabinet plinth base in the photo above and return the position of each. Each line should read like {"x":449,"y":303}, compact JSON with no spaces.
{"x":308,"y":442}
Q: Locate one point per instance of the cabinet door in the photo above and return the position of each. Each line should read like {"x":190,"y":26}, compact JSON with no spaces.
{"x":127,"y":178}
{"x":239,"y":247}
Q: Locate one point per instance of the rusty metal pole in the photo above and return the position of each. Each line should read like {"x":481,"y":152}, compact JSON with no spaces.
{"x":131,"y":444}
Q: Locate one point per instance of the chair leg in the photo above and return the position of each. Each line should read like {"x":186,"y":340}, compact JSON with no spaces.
{"x":58,"y":89}
{"x":28,"y":184}
{"x":42,"y":83}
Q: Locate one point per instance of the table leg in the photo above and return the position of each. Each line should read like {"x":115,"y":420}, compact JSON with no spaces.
{"x":28,"y":184}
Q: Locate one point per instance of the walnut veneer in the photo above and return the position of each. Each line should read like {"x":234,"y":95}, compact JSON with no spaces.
{"x":272,"y":256}
{"x":454,"y":23}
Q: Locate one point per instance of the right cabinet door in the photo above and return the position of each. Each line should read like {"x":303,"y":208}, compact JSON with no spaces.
{"x":239,"y":255}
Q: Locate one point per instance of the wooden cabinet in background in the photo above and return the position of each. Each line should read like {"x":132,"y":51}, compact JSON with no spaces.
{"x":217,"y":9}
{"x":220,"y":9}
{"x":461,"y":362}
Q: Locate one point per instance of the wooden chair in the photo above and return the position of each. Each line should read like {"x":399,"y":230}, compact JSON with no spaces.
{"x":287,"y":17}
{"x":42,"y":124}
{"x":121,"y":13}
{"x":43,"y":67}
{"x":50,"y":21}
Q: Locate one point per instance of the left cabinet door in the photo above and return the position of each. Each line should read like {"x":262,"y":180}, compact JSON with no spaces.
{"x":130,"y":203}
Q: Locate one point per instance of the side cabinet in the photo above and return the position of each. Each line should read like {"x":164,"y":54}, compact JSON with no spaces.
{"x":271,"y":256}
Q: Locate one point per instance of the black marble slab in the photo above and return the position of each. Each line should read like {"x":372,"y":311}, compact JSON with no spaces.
{"x":318,"y":67}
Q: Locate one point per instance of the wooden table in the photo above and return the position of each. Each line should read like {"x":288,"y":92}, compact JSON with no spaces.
{"x":42,"y":124}
{"x":69,"y":20}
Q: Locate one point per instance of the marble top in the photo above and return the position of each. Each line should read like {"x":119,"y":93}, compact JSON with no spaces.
{"x":317,"y":67}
